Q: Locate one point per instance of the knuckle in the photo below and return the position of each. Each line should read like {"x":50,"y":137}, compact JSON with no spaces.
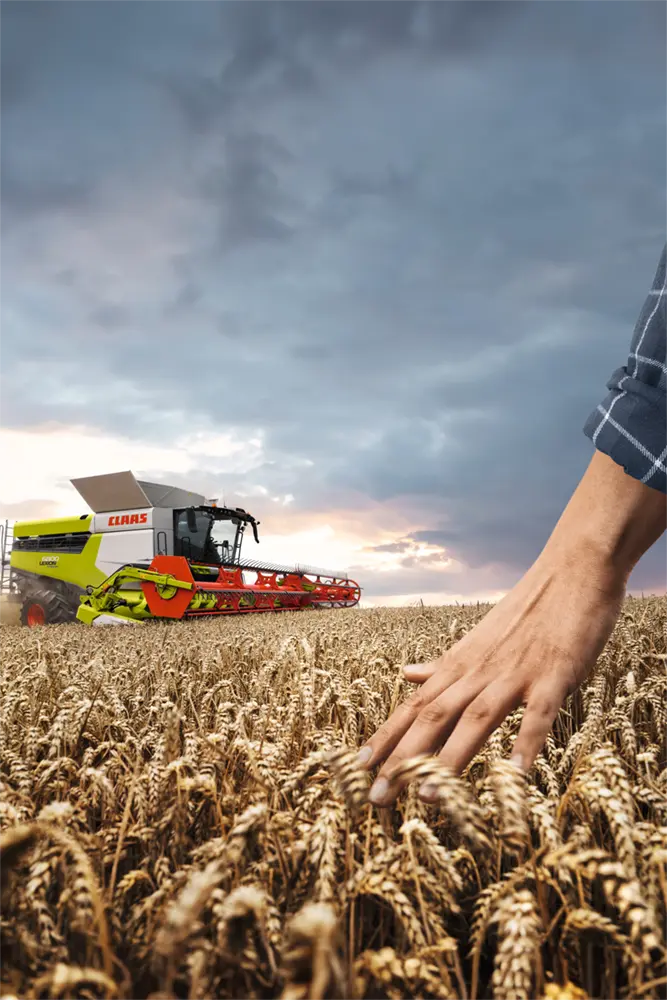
{"x":431,"y":714}
{"x":545,"y":704}
{"x":480,"y":710}
{"x":416,"y":702}
{"x":545,"y":709}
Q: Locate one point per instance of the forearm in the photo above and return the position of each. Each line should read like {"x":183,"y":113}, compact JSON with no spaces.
{"x":611,"y":518}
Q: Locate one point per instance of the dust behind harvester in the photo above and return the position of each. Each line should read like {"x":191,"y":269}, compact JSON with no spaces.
{"x":150,"y":551}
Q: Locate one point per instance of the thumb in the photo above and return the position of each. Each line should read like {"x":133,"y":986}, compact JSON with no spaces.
{"x":418,"y":673}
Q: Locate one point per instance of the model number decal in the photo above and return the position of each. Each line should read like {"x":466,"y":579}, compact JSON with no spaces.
{"x":49,"y":561}
{"x":116,"y":520}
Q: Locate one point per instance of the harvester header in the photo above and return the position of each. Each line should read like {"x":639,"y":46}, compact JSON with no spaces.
{"x":154,"y":551}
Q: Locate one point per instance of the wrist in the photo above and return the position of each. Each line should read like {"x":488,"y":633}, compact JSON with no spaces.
{"x":611,"y":520}
{"x":580,"y":557}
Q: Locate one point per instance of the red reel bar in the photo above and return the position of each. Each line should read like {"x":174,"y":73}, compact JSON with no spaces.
{"x":272,"y":590}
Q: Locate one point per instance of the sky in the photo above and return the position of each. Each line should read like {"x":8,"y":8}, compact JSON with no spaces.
{"x":361,"y":268}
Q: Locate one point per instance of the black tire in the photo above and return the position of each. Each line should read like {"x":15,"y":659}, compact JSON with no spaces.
{"x":46,"y":607}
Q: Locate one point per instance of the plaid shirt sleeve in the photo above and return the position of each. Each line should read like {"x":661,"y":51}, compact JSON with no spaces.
{"x":630,"y":424}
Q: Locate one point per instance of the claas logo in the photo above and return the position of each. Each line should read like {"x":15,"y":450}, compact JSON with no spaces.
{"x":116,"y":520}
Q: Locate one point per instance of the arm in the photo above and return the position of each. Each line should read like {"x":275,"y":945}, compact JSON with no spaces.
{"x":539,"y":643}
{"x":612,"y":517}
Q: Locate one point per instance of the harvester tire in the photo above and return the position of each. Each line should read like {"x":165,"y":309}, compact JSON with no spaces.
{"x":46,"y":607}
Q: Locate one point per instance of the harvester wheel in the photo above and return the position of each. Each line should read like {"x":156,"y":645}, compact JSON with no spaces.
{"x":46,"y":607}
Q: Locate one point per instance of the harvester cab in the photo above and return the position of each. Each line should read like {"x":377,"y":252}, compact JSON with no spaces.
{"x":154,"y":551}
{"x":211,"y":534}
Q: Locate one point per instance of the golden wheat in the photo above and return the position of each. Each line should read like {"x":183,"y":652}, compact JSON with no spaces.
{"x":182,"y":815}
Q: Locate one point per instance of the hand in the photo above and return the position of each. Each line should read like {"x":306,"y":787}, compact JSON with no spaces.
{"x":533,"y":648}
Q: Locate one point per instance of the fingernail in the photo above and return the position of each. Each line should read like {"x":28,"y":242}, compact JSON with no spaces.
{"x":428,"y":793}
{"x":378,"y":792}
{"x":411,"y":668}
{"x":364,"y":755}
{"x":517,"y":760}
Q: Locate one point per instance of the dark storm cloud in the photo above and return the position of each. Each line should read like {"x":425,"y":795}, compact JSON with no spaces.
{"x":358,"y":32}
{"x":407,"y":241}
{"x":280,"y":48}
{"x":500,"y":478}
{"x":246,"y":186}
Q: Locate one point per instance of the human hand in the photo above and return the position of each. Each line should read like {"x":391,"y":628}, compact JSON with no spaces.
{"x":534,"y":648}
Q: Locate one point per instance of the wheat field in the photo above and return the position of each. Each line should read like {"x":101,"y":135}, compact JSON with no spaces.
{"x":182,"y":816}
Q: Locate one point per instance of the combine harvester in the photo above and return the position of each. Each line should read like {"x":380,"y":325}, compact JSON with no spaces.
{"x":153,"y":552}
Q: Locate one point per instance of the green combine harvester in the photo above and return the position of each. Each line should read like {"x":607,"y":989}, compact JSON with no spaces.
{"x":150,"y":551}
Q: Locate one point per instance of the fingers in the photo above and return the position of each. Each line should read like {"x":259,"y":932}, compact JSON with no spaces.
{"x":418,"y":673}
{"x":543,"y":706}
{"x":380,"y":746}
{"x":482,"y":716}
{"x":426,"y":735}
{"x":390,"y":732}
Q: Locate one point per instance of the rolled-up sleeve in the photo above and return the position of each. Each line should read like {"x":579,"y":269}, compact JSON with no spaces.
{"x":630,"y":424}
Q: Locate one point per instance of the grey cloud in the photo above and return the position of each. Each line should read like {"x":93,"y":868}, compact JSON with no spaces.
{"x":109,"y":317}
{"x":310,"y":352}
{"x":393,"y":183}
{"x":424,"y":561}
{"x":200,"y":102}
{"x":391,"y":547}
{"x":13,"y":82}
{"x":650,"y":574}
{"x":276,"y":49}
{"x":66,"y":277}
{"x":498,"y":482}
{"x":353,"y":33}
{"x":246,"y":188}
{"x":24,"y":197}
{"x":187,"y":297}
